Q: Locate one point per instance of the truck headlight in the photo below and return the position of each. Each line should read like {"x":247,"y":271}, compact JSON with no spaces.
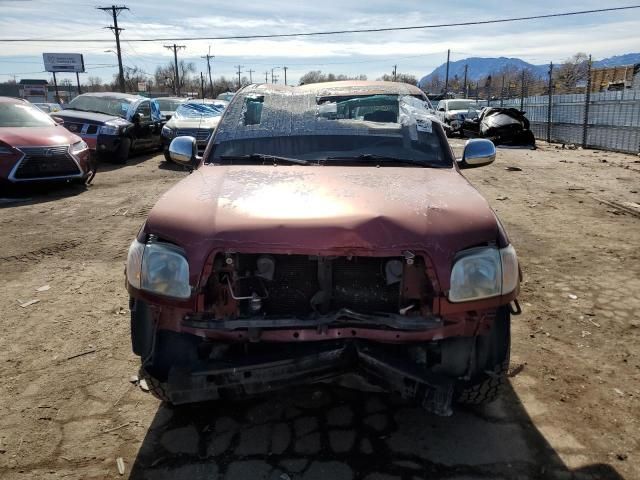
{"x":483,"y":272}
{"x":168,"y":132}
{"x":79,"y":147}
{"x":108,"y":130}
{"x":159,"y":268}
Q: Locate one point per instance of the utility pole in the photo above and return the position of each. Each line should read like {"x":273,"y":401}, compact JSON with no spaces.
{"x":115,"y":11}
{"x":239,"y":67}
{"x":266,"y":76}
{"x":550,"y":102}
{"x":202,"y":84}
{"x":466,"y":70}
{"x":395,"y":72}
{"x":285,"y":68}
{"x":446,"y":78}
{"x":208,"y":56}
{"x":251,"y":72}
{"x":175,"y":49}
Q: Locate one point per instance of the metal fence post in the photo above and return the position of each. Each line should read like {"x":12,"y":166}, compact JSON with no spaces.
{"x":550,"y":102}
{"x":587,"y":100}
{"x":522,"y":93}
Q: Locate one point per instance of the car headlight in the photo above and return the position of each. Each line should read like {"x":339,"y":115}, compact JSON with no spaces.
{"x":159,"y":268}
{"x":168,"y":132}
{"x":108,"y":130}
{"x":79,"y":147}
{"x":483,"y":272}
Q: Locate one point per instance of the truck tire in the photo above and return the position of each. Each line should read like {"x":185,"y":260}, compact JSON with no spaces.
{"x":122,"y":154}
{"x":486,"y":386}
{"x":156,"y":387}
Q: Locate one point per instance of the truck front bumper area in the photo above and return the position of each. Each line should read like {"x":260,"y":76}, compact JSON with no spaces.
{"x":316,"y":362}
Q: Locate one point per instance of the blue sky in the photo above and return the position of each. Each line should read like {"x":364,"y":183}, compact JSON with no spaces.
{"x":416,"y":52}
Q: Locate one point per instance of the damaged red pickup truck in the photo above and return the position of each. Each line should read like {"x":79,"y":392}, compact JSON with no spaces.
{"x":326,"y":231}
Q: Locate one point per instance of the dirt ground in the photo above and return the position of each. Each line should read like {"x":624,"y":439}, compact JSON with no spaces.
{"x":572,"y":409}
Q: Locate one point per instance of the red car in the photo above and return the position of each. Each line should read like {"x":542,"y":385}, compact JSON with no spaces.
{"x":34,"y":148}
{"x":326,"y":230}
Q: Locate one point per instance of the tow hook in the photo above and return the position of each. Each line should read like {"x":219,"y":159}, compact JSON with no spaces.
{"x":514,"y":308}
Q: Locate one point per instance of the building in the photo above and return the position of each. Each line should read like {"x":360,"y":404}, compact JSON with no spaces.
{"x":615,"y":78}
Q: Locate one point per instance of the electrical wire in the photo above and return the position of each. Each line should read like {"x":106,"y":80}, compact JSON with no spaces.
{"x":340,"y":32}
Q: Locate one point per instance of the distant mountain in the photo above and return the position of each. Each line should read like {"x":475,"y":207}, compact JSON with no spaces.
{"x":481,"y":67}
{"x":626,"y":59}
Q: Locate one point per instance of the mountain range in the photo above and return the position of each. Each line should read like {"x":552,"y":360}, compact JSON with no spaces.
{"x":481,"y":67}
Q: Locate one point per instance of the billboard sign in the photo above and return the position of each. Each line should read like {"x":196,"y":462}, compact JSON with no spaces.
{"x":63,"y":62}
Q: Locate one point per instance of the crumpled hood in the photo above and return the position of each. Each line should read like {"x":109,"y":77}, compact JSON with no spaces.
{"x":76,"y":116}
{"x":323,"y":210}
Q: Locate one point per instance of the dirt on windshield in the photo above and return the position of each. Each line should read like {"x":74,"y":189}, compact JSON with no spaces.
{"x":69,"y":410}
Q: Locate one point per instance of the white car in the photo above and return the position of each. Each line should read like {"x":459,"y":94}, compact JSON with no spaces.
{"x":453,"y":112}
{"x":194,"y":118}
{"x":169,"y":105}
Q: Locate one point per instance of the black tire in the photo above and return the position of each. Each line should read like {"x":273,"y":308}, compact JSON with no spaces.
{"x":122,"y":154}
{"x":167,"y":157}
{"x":486,"y":387}
{"x":156,"y":387}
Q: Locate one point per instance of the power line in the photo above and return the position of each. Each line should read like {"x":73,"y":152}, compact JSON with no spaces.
{"x":115,"y":11}
{"x":340,"y":32}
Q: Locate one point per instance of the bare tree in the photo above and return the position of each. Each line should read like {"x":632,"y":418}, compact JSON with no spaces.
{"x":94,"y":84}
{"x":165,"y":75}
{"x":316,"y":76}
{"x":571,"y":73}
{"x":400,"y":77}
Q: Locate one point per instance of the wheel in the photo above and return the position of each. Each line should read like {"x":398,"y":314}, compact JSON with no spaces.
{"x":156,"y":387}
{"x":492,"y":353}
{"x":167,"y":157}
{"x":122,"y":154}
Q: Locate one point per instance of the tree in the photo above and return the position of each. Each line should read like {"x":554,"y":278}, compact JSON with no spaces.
{"x":133,"y":76}
{"x":572,"y":72}
{"x":165,"y":75}
{"x":316,"y":76}
{"x":94,"y":84}
{"x":400,"y":77}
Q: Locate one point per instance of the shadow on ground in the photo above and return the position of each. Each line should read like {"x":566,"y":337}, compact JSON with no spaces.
{"x":25,"y":194}
{"x":327,"y":432}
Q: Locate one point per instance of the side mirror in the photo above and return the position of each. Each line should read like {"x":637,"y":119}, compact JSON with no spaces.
{"x":137,"y":117}
{"x":184,"y":150}
{"x":478,"y":152}
{"x":58,"y":120}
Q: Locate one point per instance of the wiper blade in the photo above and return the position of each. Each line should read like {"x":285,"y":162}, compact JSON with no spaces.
{"x":266,"y":158}
{"x":380,"y":159}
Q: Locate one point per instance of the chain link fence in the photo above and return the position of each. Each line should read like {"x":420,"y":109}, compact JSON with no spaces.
{"x":581,"y":105}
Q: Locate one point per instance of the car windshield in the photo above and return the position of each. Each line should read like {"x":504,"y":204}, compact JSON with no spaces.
{"x":358,"y":129}
{"x":199,"y":110}
{"x":169,"y":104}
{"x":117,"y":106}
{"x":23,"y":115}
{"x":462,"y":104}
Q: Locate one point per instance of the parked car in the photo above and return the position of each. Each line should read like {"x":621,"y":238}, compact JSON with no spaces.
{"x":195,"y":118}
{"x":34,"y":148}
{"x":326,"y":230}
{"x":503,"y":126}
{"x":454,"y":111}
{"x":49,"y":107}
{"x":169,"y":105}
{"x":114,"y":125}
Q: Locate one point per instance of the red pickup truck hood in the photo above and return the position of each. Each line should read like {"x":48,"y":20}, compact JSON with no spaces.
{"x":323,"y":210}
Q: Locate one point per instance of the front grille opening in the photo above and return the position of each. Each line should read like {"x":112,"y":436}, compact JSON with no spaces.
{"x":46,"y":162}
{"x":301,"y":286}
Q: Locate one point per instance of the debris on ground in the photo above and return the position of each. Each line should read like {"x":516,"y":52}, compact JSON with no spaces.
{"x":120,"y":465}
{"x":513,"y":169}
{"x":43,"y":288}
{"x":29,"y":303}
{"x":502,"y":197}
{"x":572,"y":296}
{"x":133,"y":379}
{"x":81,"y":354}
{"x":143,"y":385}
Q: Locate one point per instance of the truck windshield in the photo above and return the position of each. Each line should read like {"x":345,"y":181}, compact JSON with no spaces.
{"x":463,"y":104}
{"x":116,"y":106}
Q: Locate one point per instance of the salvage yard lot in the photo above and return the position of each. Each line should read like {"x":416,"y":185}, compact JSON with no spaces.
{"x":68,"y":410}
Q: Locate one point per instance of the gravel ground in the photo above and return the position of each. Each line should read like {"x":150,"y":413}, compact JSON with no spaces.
{"x":572,"y":409}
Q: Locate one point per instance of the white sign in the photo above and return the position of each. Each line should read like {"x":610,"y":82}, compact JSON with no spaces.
{"x":63,"y":62}
{"x":142,"y":86}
